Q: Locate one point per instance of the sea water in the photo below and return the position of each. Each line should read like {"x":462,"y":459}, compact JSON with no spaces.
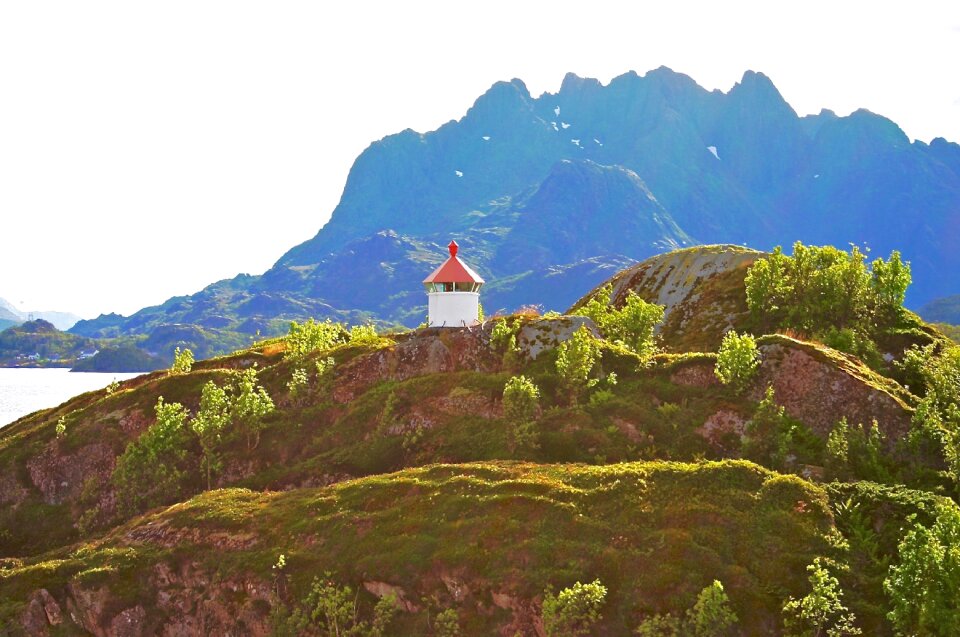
{"x":24,"y":391}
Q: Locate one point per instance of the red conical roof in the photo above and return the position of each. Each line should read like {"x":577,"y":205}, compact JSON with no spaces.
{"x":453,"y":270}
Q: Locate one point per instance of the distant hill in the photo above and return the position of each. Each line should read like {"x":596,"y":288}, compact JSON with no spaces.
{"x":39,"y":342}
{"x":943,"y":310}
{"x":12,"y":316}
{"x":551,"y":194}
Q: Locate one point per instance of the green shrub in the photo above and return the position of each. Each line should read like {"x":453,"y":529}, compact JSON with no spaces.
{"x":924,"y":588}
{"x":212,"y":418}
{"x":250,"y":404}
{"x":576,"y":358}
{"x":632,"y":326}
{"x":768,"y":435}
{"x":574,"y":611}
{"x":150,"y":471}
{"x":821,"y":611}
{"x":737,"y":360}
{"x":520,"y":402}
{"x":182,"y":361}
{"x":363,"y":335}
{"x":447,"y":624}
{"x":311,"y":336}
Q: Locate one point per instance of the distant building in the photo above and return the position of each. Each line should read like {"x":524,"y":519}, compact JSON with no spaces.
{"x":453,"y":292}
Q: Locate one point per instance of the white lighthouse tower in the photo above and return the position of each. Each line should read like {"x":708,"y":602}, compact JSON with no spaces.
{"x":453,"y":291}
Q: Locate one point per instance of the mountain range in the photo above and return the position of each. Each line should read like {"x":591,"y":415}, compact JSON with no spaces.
{"x":10,"y":316}
{"x":551,"y":194}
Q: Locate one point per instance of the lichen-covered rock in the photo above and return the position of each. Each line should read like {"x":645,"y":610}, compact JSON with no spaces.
{"x":426,"y":351}
{"x":818,"y":390}
{"x":545,"y":334}
{"x":60,"y":477}
{"x":723,"y":429}
{"x":701,"y":289}
{"x":41,"y":613}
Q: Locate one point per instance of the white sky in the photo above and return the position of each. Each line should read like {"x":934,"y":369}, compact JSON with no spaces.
{"x":150,"y":148}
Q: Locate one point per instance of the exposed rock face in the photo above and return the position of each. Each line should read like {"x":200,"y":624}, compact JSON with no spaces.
{"x":542,"y":335}
{"x":61,"y":477}
{"x":701,"y":289}
{"x":380,"y":589}
{"x":811,"y":388}
{"x":188,"y":600}
{"x":437,"y":350}
{"x":42,"y":612}
{"x":723,"y":429}
{"x":428,"y":351}
{"x":820,"y":393}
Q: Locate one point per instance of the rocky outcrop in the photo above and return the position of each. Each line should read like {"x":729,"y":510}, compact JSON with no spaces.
{"x":427,"y":351}
{"x":60,"y":477}
{"x":700,"y":288}
{"x":439,"y":350}
{"x":541,"y":335}
{"x":815,"y":385}
{"x":818,"y":387}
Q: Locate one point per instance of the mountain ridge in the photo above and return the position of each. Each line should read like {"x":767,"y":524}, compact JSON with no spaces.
{"x":735,"y":167}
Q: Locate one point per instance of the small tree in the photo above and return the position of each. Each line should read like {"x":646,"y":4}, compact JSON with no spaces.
{"x":250,"y":405}
{"x":838,"y":450}
{"x":574,"y":611}
{"x":447,"y":624}
{"x":212,"y":418}
{"x":61,"y":427}
{"x":520,"y":402}
{"x":634,"y":325}
{"x":363,"y":334}
{"x":737,"y":360}
{"x":149,"y":471}
{"x":768,"y":435}
{"x":660,"y":626}
{"x":821,"y":612}
{"x":324,"y":373}
{"x":711,"y":615}
{"x":924,"y":588}
{"x":310,"y":336}
{"x":182,"y":361}
{"x":891,"y":279}
{"x":331,"y":610}
{"x":575,"y":360}
{"x":297,"y":383}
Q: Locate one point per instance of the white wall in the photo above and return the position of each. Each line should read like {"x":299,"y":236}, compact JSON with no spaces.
{"x":453,"y":309}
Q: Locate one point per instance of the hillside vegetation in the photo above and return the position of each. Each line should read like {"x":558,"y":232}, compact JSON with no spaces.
{"x":596,"y":471}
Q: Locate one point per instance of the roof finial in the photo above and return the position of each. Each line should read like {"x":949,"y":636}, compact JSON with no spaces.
{"x":453,"y":248}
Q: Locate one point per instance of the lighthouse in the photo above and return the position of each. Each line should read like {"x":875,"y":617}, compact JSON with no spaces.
{"x":453,"y":291}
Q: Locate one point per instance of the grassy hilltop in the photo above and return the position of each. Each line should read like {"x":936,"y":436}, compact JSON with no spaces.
{"x":337,"y":468}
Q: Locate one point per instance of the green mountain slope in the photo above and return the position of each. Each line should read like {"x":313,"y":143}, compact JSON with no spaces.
{"x":394,"y":465}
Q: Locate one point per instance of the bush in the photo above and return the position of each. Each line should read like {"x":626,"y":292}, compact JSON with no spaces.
{"x":520,"y":402}
{"x":822,"y":287}
{"x":212,"y":418}
{"x":821,"y":611}
{"x":251,"y":403}
{"x":737,"y":360}
{"x":768,"y":435}
{"x":631,"y":326}
{"x":182,"y":361}
{"x":924,"y":588}
{"x":363,"y":335}
{"x":447,"y":624}
{"x":150,"y":471}
{"x":311,"y":336}
{"x":575,"y":360}
{"x":574,"y":611}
